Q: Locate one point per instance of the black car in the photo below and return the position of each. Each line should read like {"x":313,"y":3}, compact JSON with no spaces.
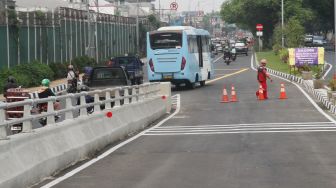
{"x":108,"y":77}
{"x":133,"y":65}
{"x":241,"y":48}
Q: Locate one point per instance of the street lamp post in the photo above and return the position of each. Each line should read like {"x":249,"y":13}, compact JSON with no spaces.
{"x":282,"y":24}
{"x":137,"y":28}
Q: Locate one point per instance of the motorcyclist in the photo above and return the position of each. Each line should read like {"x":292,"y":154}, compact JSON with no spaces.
{"x":72,"y":79}
{"x":11,"y":83}
{"x":227,"y":52}
{"x":45,"y":92}
{"x":233,"y":53}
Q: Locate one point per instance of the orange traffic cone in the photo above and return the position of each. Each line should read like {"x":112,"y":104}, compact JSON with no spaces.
{"x":225,"y":97}
{"x":233,"y":94}
{"x":261,"y":93}
{"x":283,"y":94}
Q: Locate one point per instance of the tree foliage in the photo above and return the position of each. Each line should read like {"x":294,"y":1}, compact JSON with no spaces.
{"x":314,"y":15}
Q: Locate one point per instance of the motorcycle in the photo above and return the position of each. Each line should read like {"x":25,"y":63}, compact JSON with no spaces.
{"x":15,"y":95}
{"x":227,"y":60}
{"x":43,"y":107}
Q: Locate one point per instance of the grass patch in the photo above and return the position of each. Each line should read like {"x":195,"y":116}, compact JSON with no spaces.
{"x":274,"y":61}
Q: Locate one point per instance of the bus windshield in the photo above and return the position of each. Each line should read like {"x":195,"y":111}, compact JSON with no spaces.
{"x":165,"y":40}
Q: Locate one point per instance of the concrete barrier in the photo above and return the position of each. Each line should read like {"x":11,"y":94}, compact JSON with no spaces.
{"x":27,"y":159}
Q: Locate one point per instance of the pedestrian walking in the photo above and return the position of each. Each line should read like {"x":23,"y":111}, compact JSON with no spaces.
{"x":262,"y":77}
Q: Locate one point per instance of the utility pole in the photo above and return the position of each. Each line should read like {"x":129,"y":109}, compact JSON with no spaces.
{"x":7,"y":29}
{"x":335,"y":38}
{"x":282,"y":24}
{"x":96,"y":32}
{"x":137,"y":28}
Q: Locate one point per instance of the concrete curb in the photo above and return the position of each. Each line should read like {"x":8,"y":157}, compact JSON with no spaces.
{"x":321,"y":97}
{"x":30,"y":158}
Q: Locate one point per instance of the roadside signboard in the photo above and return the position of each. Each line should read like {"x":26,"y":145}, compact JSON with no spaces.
{"x":310,"y":56}
{"x":259,"y":33}
{"x":259,"y":27}
{"x":173,"y":6}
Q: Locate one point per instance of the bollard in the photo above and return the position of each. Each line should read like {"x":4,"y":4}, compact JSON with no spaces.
{"x":27,"y":126}
{"x":82,"y":111}
{"x":117,"y":96}
{"x":126,"y":94}
{"x":96,"y":101}
{"x":108,"y":97}
{"x":3,"y":130}
{"x":51,"y":119}
{"x":68,"y":105}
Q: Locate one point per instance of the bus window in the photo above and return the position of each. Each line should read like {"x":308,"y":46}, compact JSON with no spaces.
{"x":166,"y":40}
{"x":205,"y":44}
{"x":192,"y":44}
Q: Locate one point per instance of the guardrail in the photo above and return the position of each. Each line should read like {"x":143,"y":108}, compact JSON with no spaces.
{"x":120,"y":96}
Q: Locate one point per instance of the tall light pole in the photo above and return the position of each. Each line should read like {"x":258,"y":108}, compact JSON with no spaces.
{"x":335,"y":37}
{"x":137,"y":28}
{"x":282,"y":24}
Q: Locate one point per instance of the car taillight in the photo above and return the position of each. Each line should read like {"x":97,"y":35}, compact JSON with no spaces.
{"x":183,"y":63}
{"x":151,"y":65}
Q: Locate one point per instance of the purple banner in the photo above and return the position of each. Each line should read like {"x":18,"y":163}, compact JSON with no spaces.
{"x":306,"y":56}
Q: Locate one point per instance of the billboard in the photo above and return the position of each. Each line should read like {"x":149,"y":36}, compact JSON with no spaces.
{"x":301,"y":56}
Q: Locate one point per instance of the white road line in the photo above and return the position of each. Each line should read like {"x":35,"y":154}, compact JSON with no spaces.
{"x":244,"y":129}
{"x":251,"y":124}
{"x":225,"y":69}
{"x":303,"y":91}
{"x":237,"y":132}
{"x":218,"y":58}
{"x":108,"y":152}
{"x":329,"y":69}
{"x":249,"y":127}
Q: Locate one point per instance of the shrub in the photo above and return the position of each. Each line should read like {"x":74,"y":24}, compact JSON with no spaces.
{"x":332,"y":84}
{"x":284,"y":55}
{"x":305,"y":67}
{"x":83,"y":61}
{"x":276,"y":49}
{"x":59,"y":69}
{"x":28,"y":74}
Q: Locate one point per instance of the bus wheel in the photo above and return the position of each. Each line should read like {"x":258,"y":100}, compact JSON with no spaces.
{"x":202,"y":83}
{"x":191,"y":85}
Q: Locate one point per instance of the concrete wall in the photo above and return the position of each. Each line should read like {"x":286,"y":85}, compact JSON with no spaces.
{"x":28,"y":158}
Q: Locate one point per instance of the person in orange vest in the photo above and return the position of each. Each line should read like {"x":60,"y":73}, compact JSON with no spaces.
{"x":262,"y":77}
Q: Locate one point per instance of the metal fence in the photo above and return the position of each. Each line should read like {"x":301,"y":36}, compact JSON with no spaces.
{"x":61,"y":35}
{"x":120,"y":96}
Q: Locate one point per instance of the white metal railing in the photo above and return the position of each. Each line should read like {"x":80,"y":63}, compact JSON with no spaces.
{"x":120,"y":96}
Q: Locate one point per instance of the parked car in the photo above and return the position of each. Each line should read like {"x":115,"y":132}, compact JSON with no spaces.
{"x":241,"y":48}
{"x":308,"y":40}
{"x":133,"y":65}
{"x":108,"y":77}
{"x":319,"y":41}
{"x":219,"y":48}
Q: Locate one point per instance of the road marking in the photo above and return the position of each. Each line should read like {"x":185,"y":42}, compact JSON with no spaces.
{"x":243,"y":129}
{"x":329,"y":69}
{"x":318,"y":108}
{"x":218,"y":58}
{"x":226,"y":69}
{"x":108,"y":152}
{"x":225,"y":76}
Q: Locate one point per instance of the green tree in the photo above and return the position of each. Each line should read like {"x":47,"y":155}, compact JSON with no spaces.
{"x":294,"y":33}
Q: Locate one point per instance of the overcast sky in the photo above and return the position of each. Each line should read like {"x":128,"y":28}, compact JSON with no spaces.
{"x":191,"y":5}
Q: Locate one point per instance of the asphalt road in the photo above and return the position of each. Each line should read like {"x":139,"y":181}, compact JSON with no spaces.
{"x":250,"y":143}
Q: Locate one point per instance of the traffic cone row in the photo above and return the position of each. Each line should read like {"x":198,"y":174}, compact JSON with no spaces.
{"x":225,"y":96}
{"x":260,"y":94}
{"x":283,"y":94}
